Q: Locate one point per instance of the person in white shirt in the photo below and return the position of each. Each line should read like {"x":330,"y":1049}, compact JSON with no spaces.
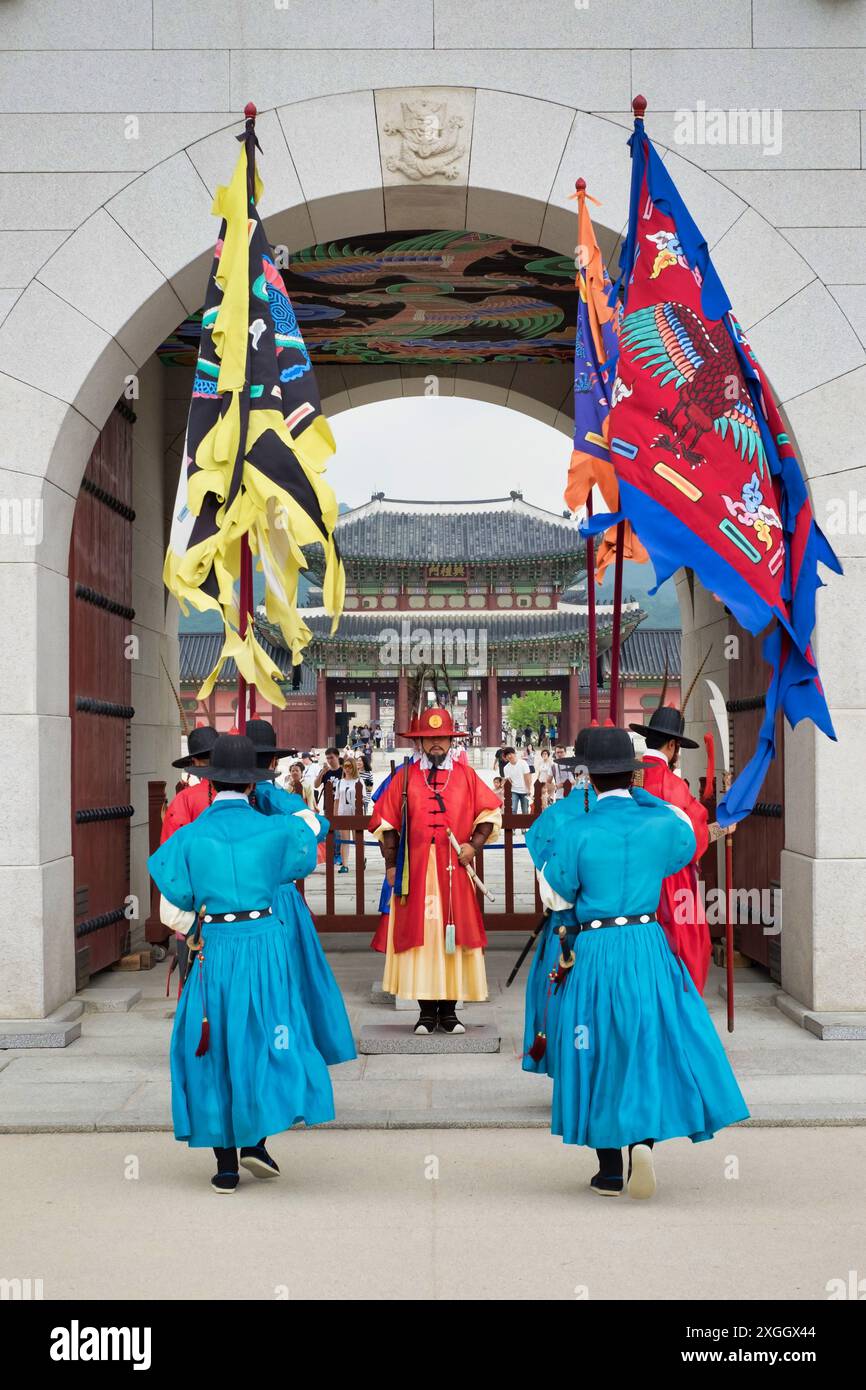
{"x":561,"y":775}
{"x":345,"y":805}
{"x":311,"y":766}
{"x":518,"y":779}
{"x":545,"y":774}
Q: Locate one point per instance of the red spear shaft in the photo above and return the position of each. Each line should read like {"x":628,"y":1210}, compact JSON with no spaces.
{"x":591,"y":619}
{"x":245,"y":604}
{"x":617,"y":625}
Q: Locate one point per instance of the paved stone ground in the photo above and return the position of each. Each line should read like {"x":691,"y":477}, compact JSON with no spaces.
{"x":115,"y":1076}
{"x":356,"y":1216}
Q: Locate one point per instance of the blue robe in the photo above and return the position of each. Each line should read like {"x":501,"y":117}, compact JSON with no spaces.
{"x":637,"y":1054}
{"x":322,"y":999}
{"x":262,"y":1072}
{"x":542,"y":1004}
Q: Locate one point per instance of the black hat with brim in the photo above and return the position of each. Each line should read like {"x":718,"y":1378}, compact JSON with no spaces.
{"x":608,"y":750}
{"x":262,"y":735}
{"x":667,"y":722}
{"x":233,"y":760}
{"x":199,"y":743}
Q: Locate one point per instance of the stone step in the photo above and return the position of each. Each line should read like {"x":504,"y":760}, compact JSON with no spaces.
{"x":22,"y":1033}
{"x":828,"y":1026}
{"x":103,"y":1000}
{"x":378,"y":995}
{"x":66,"y":1013}
{"x":837,"y":1027}
{"x":380,"y":1038}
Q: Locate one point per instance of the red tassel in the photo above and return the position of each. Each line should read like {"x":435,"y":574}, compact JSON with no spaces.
{"x":538,"y":1048}
{"x":204,"y":1040}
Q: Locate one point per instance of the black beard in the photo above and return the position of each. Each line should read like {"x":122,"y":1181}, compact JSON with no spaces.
{"x":437,"y":759}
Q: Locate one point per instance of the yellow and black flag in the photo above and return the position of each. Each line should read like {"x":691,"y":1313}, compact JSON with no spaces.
{"x":256,"y":446}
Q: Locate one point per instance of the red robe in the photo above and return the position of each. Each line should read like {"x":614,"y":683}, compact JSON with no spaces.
{"x":185,"y":807}
{"x":465,"y":797}
{"x":690,"y":940}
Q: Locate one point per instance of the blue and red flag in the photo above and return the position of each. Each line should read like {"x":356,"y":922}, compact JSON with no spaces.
{"x":707,"y":474}
{"x":595,"y":352}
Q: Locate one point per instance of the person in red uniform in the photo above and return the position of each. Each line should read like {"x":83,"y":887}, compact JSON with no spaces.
{"x":191,"y":800}
{"x":434,"y":937}
{"x":183,"y":808}
{"x":681,"y":909}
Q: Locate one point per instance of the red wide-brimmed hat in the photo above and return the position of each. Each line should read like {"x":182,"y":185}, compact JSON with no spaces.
{"x":429,"y":723}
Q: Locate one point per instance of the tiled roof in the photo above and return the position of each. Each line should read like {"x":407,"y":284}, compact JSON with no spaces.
{"x":499,"y":528}
{"x":500,"y":627}
{"x":199,"y":652}
{"x":644,"y":652}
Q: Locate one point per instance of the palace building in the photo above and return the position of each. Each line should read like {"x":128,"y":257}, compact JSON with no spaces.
{"x":488,"y":593}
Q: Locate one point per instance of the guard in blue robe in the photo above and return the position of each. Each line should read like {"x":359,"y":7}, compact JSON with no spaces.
{"x":637,"y":1056}
{"x":541,"y":1013}
{"x":320,"y":993}
{"x":244,"y":1062}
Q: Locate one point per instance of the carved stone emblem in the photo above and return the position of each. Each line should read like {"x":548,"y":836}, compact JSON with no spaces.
{"x":431,"y":137}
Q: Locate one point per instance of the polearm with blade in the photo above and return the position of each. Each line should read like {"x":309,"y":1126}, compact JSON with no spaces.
{"x":720,"y":713}
{"x":246,"y":694}
{"x":531,"y":940}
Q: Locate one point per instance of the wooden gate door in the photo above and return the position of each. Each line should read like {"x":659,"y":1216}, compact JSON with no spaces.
{"x":100,"y":686}
{"x":760,"y":839}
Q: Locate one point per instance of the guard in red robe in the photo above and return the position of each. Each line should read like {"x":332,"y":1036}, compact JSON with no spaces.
{"x":681,"y":909}
{"x":434,"y":937}
{"x":191,"y":800}
{"x":185,"y":807}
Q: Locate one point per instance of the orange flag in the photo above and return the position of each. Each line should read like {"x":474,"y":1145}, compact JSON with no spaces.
{"x":595,"y":346}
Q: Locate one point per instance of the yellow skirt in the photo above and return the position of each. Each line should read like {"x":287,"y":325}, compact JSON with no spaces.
{"x":426,"y":972}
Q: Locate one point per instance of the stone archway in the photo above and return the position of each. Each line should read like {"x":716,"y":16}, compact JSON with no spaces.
{"x":103,"y":301}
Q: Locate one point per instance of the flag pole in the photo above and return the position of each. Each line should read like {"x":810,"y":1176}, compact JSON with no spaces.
{"x":246,"y":585}
{"x":245,"y":692}
{"x":613,"y":709}
{"x":638,"y":106}
{"x":591,"y":620}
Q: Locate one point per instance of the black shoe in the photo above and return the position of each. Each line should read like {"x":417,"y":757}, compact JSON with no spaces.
{"x":606,"y":1186}
{"x":258,"y":1161}
{"x":427,"y":1019}
{"x":224,"y":1183}
{"x":448,"y":1020}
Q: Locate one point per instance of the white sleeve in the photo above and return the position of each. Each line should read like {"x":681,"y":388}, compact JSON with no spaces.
{"x":549,"y":896}
{"x":309,"y":820}
{"x":177,"y":918}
